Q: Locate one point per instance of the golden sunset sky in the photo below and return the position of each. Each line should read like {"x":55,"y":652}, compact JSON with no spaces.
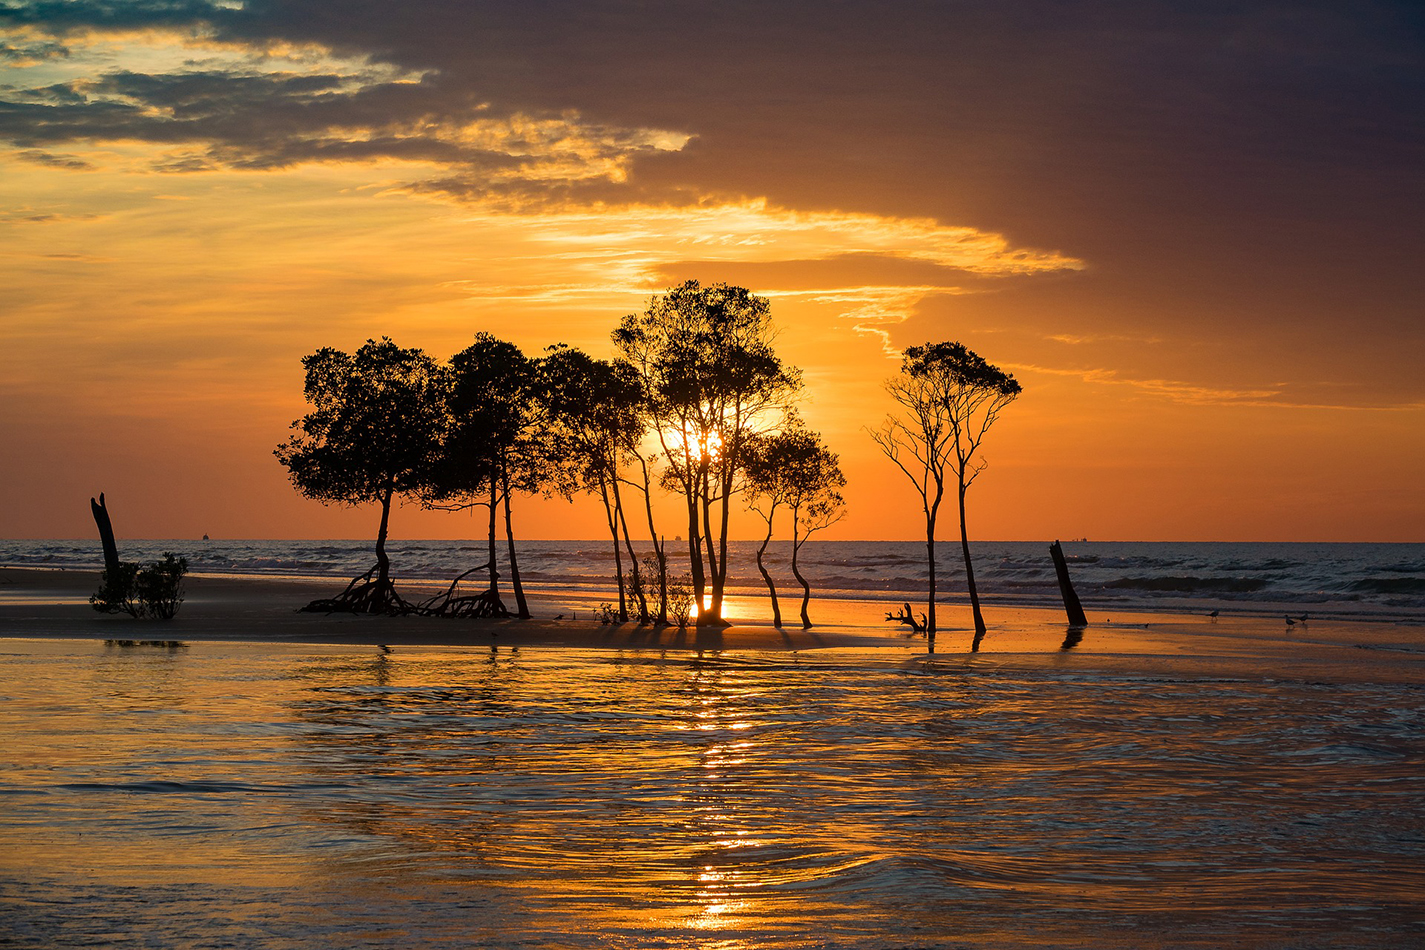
{"x":1192,"y":231}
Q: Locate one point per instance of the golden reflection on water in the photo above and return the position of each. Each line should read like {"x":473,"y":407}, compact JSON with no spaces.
{"x":716,"y":800}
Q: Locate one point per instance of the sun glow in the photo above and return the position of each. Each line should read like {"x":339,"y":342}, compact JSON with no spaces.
{"x":683,"y":443}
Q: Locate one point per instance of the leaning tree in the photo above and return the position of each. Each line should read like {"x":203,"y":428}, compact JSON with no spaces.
{"x":949,"y":397}
{"x":377,"y":418}
{"x":793,"y":469}
{"x":711,"y":380}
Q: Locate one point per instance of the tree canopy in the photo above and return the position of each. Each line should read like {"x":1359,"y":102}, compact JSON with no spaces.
{"x":949,"y":397}
{"x":711,"y":379}
{"x":377,"y":419}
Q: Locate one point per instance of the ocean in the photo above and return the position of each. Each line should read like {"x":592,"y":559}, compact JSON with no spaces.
{"x":1349,"y":581}
{"x":298,"y":796}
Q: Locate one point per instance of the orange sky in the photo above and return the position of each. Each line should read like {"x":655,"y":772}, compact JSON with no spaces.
{"x":1195,"y":241}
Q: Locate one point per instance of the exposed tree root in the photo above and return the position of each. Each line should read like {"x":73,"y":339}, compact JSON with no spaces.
{"x":366,"y":594}
{"x":452,"y":603}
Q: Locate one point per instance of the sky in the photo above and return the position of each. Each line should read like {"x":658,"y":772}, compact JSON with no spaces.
{"x":1193,"y":232}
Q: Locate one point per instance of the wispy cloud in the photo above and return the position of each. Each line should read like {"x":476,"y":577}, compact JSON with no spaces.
{"x":1277,"y":396}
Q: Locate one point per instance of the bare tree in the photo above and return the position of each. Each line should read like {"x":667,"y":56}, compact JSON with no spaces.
{"x":950,"y":397}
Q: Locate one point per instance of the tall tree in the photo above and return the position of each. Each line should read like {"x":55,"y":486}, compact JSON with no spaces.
{"x":795,"y":470}
{"x":712,"y":380}
{"x":949,"y":398}
{"x":378,"y":417}
{"x":595,"y":408}
{"x":496,"y":445}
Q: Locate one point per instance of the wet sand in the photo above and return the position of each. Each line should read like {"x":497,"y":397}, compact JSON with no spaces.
{"x":38,"y":603}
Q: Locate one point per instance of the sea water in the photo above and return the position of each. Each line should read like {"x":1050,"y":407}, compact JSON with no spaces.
{"x":1369,"y":581}
{"x":229,"y":795}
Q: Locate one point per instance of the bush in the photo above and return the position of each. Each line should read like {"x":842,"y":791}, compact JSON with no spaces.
{"x":680,"y":600}
{"x":152,"y":592}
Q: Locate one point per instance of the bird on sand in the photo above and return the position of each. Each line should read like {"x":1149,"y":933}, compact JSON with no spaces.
{"x":1290,"y":620}
{"x":1213,"y":614}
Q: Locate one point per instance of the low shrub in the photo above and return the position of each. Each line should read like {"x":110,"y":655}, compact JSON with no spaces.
{"x":153,"y":592}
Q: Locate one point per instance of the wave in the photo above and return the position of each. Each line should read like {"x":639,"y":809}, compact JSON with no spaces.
{"x":1389,"y":585}
{"x":1186,"y":585}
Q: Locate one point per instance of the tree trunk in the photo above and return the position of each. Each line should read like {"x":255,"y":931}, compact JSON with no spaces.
{"x":383,"y":563}
{"x":632,"y":557}
{"x":658,"y":547}
{"x":771,"y":587}
{"x":720,"y":588}
{"x":796,"y":572}
{"x":710,"y":610}
{"x":970,"y":575}
{"x":695,"y":542}
{"x":494,"y":566}
{"x":611,"y":517}
{"x":930,"y":564}
{"x":106,"y":535}
{"x":521,"y":606}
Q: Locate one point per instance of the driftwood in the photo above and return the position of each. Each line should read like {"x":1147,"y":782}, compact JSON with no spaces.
{"x":1066,"y":587}
{"x":908,"y":618}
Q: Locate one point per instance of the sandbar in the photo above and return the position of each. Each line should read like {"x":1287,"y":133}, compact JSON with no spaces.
{"x":44,"y":603}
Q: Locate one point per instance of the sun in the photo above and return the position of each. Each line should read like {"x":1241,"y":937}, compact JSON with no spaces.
{"x":683,"y":442}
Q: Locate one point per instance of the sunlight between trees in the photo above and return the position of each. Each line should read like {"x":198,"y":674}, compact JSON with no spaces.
{"x":696,"y":403}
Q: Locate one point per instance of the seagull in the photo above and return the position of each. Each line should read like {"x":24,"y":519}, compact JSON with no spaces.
{"x":1214,"y":614}
{"x":384,"y":648}
{"x":1290,"y":620}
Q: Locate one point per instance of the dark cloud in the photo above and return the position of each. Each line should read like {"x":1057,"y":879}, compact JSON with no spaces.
{"x":54,"y":161}
{"x":1249,"y":168}
{"x":65,"y":15}
{"x":31,"y":52}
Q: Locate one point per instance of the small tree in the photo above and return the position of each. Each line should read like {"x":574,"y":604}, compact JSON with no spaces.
{"x":794,"y":469}
{"x":950,"y":397}
{"x":376,"y":422}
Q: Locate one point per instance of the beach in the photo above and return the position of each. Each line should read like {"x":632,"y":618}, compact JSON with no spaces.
{"x":250,"y":775}
{"x":54,"y":603}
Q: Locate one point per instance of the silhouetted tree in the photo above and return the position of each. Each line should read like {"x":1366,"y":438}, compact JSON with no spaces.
{"x":793,"y":469}
{"x":950,"y":397}
{"x":711,"y":380}
{"x":377,"y":419}
{"x":496,"y":444}
{"x":596,"y":413}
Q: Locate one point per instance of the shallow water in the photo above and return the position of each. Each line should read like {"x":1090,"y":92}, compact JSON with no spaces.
{"x":293,"y":796}
{"x":1373,"y":581}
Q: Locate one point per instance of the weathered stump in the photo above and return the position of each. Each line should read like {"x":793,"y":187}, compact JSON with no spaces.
{"x":106,"y":535}
{"x":1066,"y":587}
